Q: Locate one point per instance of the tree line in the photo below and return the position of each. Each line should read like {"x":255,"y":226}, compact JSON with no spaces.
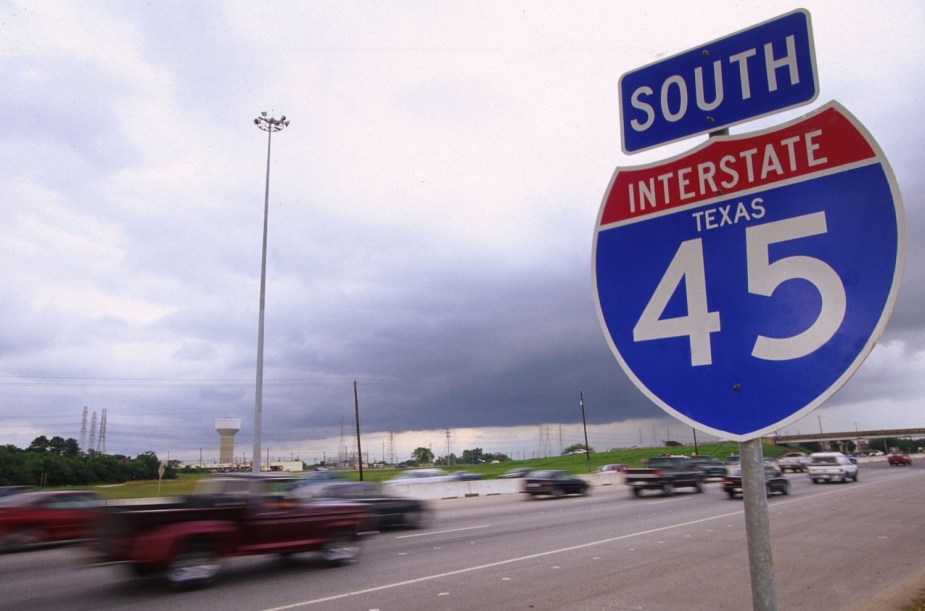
{"x":60,"y":462}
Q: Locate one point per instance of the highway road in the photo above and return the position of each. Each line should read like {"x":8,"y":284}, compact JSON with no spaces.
{"x":855,"y":546}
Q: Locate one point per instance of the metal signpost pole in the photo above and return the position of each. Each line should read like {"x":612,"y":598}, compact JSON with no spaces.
{"x":757,"y":526}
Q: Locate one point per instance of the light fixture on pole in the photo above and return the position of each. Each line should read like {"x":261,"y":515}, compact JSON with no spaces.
{"x":269,"y":125}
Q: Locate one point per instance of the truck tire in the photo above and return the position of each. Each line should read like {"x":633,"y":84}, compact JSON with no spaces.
{"x":637,"y":492}
{"x":668,"y":488}
{"x":22,"y":539}
{"x":699,"y":486}
{"x":340,"y":549}
{"x":197,"y":565}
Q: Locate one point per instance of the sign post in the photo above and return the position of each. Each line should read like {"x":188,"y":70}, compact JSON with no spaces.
{"x":741,"y":284}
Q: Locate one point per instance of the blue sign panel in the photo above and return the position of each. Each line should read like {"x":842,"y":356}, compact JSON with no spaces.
{"x":765,"y":69}
{"x":741,"y":284}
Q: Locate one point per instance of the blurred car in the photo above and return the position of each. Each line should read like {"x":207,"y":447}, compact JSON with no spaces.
{"x":515,"y":473}
{"x":323,"y":477}
{"x":31,"y":519}
{"x":793,"y":461}
{"x":732,"y":460}
{"x":554,"y":483}
{"x":711,"y":466}
{"x":467,"y":475}
{"x":614,"y":468}
{"x":389,"y":511}
{"x":898,"y":459}
{"x":8,"y":490}
{"x":423,"y":476}
{"x":774,"y":481}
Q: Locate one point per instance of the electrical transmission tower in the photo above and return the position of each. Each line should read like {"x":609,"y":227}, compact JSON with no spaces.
{"x":101,"y":443}
{"x":545,"y":441}
{"x":342,"y":447}
{"x":83,"y":431}
{"x":391,"y":444}
{"x":448,"y":446}
{"x":92,"y":438}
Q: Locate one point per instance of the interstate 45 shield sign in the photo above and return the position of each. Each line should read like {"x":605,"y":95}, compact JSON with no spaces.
{"x":741,"y":284}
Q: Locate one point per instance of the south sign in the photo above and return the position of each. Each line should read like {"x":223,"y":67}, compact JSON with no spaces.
{"x":752,"y":73}
{"x":741,"y":284}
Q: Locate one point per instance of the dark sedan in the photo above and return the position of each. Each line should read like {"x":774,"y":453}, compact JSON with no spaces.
{"x":389,"y":511}
{"x":554,"y":483}
{"x":30,"y":519}
{"x":774,"y":481}
{"x":710,"y":465}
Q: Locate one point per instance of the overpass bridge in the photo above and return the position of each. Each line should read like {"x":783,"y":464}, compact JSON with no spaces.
{"x":861,"y":438}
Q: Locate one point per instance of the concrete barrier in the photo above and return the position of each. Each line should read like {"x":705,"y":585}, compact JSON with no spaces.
{"x":480,"y":487}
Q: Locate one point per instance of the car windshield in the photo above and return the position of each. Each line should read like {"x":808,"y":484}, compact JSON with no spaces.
{"x":825,"y":460}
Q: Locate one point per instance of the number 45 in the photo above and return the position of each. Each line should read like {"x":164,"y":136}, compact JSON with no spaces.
{"x":763,"y":278}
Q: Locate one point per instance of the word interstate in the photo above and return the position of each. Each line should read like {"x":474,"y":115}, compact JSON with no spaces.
{"x":732,"y":171}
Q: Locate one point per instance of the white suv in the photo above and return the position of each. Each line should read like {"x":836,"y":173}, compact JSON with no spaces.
{"x":831,"y":466}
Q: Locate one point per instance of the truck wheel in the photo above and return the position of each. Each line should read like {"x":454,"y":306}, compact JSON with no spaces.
{"x":340,"y":549}
{"x":698,"y":486}
{"x":668,"y":489}
{"x":196,"y":565}
{"x":637,"y":492}
{"x":785,"y":489}
{"x":21,"y":539}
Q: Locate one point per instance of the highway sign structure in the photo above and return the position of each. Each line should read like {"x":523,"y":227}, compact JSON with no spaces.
{"x":764,"y":69}
{"x":741,"y":284}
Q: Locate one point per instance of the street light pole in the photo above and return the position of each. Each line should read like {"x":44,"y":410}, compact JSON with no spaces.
{"x":268,"y":125}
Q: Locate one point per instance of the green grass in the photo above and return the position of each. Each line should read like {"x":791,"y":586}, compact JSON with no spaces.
{"x":185,"y":484}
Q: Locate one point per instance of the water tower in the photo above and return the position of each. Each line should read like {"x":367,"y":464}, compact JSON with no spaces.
{"x":226,"y":429}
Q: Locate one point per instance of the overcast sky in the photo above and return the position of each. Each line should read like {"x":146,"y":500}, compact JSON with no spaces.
{"x":431,"y":214}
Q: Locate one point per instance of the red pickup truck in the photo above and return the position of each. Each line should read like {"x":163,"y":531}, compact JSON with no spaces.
{"x":233,"y":515}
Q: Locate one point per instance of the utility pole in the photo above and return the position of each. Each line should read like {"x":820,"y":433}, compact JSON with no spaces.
{"x":581,"y":401}
{"x":356,"y":407}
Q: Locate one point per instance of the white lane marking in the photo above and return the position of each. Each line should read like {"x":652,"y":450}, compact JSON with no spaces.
{"x":443,"y":532}
{"x":489,"y":565}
